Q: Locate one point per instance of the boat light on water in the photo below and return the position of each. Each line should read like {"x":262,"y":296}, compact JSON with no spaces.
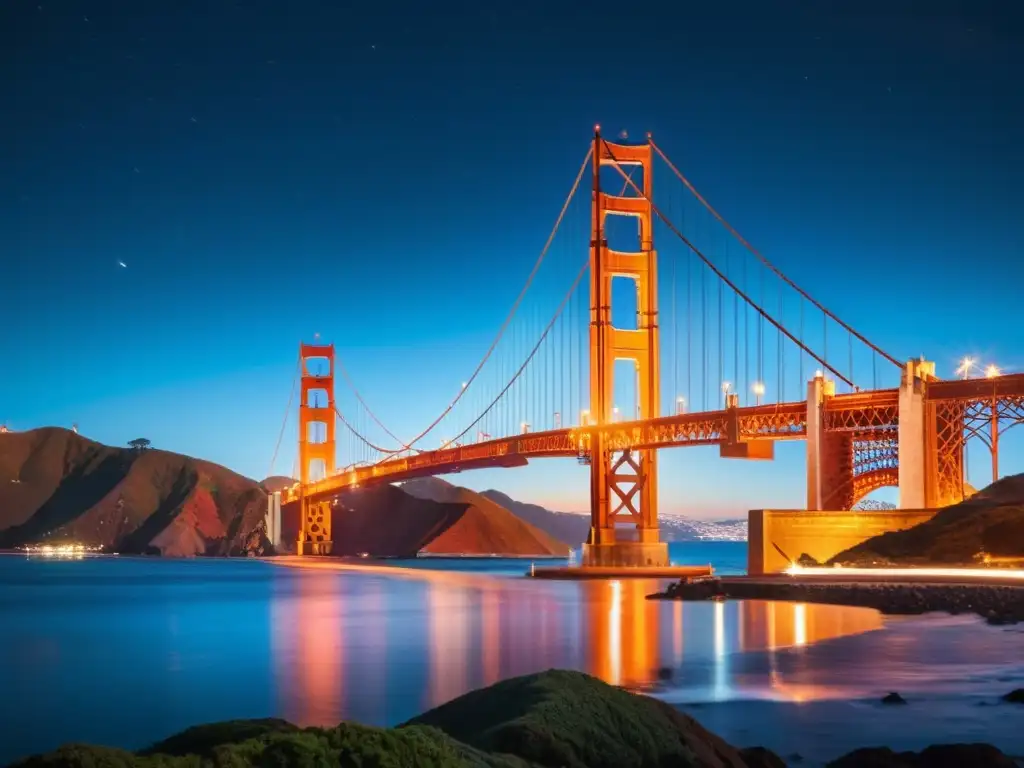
{"x":966,"y":573}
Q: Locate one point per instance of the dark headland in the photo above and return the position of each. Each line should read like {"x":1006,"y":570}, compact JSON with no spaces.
{"x":554,"y":719}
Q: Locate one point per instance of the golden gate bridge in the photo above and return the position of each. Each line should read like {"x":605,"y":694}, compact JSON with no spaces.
{"x":700,"y":341}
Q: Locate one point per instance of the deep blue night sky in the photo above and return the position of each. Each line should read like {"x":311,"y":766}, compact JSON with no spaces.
{"x":385,"y":174}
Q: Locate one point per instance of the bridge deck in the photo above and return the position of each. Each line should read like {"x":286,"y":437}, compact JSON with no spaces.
{"x":777,"y":421}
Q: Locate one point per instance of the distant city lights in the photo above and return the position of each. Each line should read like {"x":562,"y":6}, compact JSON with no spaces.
{"x":60,"y":550}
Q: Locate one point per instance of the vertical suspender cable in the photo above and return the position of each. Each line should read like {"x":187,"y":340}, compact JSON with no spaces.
{"x":704,"y":337}
{"x":849,"y":337}
{"x":287,"y":412}
{"x":803,"y":379}
{"x":779,"y":348}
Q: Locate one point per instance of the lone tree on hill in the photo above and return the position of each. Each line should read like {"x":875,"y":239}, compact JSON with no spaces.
{"x":139,"y":444}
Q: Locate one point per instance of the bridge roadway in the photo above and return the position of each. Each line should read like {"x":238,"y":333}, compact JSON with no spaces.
{"x":871,"y":409}
{"x":865,"y":410}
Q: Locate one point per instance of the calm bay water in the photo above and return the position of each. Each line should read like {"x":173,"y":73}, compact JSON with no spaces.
{"x":125,"y":651}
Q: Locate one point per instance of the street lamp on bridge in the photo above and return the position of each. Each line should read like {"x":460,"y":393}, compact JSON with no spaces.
{"x":758,"y":389}
{"x":965,"y":367}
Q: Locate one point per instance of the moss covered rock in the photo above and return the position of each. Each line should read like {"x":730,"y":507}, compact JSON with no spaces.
{"x":571,"y":720}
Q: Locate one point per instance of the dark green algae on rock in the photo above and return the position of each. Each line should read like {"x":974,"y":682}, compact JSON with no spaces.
{"x":554,"y":719}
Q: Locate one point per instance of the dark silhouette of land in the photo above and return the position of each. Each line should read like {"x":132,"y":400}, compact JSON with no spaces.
{"x":988,"y":525}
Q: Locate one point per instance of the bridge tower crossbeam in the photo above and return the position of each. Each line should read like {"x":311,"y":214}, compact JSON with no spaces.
{"x":623,"y":482}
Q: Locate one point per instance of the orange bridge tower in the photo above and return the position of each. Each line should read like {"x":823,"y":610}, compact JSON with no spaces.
{"x":623,"y":482}
{"x":317,"y":448}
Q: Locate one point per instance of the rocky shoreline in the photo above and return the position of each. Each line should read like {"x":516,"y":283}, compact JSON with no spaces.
{"x":998,"y":605}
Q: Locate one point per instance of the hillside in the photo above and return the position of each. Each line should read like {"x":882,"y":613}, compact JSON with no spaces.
{"x":276,"y":483}
{"x":564,"y":526}
{"x":990,"y":522}
{"x":56,"y":485}
{"x":484,"y":527}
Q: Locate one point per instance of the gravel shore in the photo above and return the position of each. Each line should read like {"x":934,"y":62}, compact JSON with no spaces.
{"x":996,"y":604}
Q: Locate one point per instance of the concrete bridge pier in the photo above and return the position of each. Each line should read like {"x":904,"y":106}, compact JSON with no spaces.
{"x":913,"y":437}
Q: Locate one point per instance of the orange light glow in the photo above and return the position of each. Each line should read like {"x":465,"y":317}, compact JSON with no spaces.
{"x":992,"y":371}
{"x":967,"y":573}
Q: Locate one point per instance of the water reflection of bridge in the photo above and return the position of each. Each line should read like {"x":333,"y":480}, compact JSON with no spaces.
{"x":381,"y":650}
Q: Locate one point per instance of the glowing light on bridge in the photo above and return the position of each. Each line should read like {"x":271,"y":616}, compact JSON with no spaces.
{"x":992,"y":371}
{"x":971,"y":574}
{"x":758,"y":389}
{"x":680,"y":406}
{"x":966,"y":365}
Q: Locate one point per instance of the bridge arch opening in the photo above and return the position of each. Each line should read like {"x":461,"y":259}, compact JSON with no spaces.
{"x":317,"y":366}
{"x":622,"y":232}
{"x":625,"y":302}
{"x":612,"y":182}
{"x":317,"y":470}
{"x":316,"y":432}
{"x":626,"y":400}
{"x":881,"y":497}
{"x":317,"y":398}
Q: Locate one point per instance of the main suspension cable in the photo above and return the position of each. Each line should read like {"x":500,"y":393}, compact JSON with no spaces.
{"x":719,"y":274}
{"x":763,"y":260}
{"x":287,"y":412}
{"x":508,"y":318}
{"x":547,"y":330}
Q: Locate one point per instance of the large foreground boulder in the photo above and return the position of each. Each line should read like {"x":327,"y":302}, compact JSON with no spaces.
{"x":571,"y":720}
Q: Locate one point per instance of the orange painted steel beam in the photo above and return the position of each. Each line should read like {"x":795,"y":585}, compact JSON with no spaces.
{"x":785,"y":421}
{"x":1010,"y":385}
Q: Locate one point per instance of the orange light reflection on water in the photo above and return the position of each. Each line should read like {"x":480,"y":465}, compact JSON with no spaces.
{"x":381,"y":650}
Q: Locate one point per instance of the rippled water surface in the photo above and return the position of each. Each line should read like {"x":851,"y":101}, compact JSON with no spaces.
{"x":126,"y":651}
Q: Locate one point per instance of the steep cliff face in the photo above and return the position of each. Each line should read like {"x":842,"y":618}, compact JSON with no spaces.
{"x":56,"y":485}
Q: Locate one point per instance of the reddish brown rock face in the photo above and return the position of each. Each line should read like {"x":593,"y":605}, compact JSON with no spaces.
{"x":56,"y":484}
